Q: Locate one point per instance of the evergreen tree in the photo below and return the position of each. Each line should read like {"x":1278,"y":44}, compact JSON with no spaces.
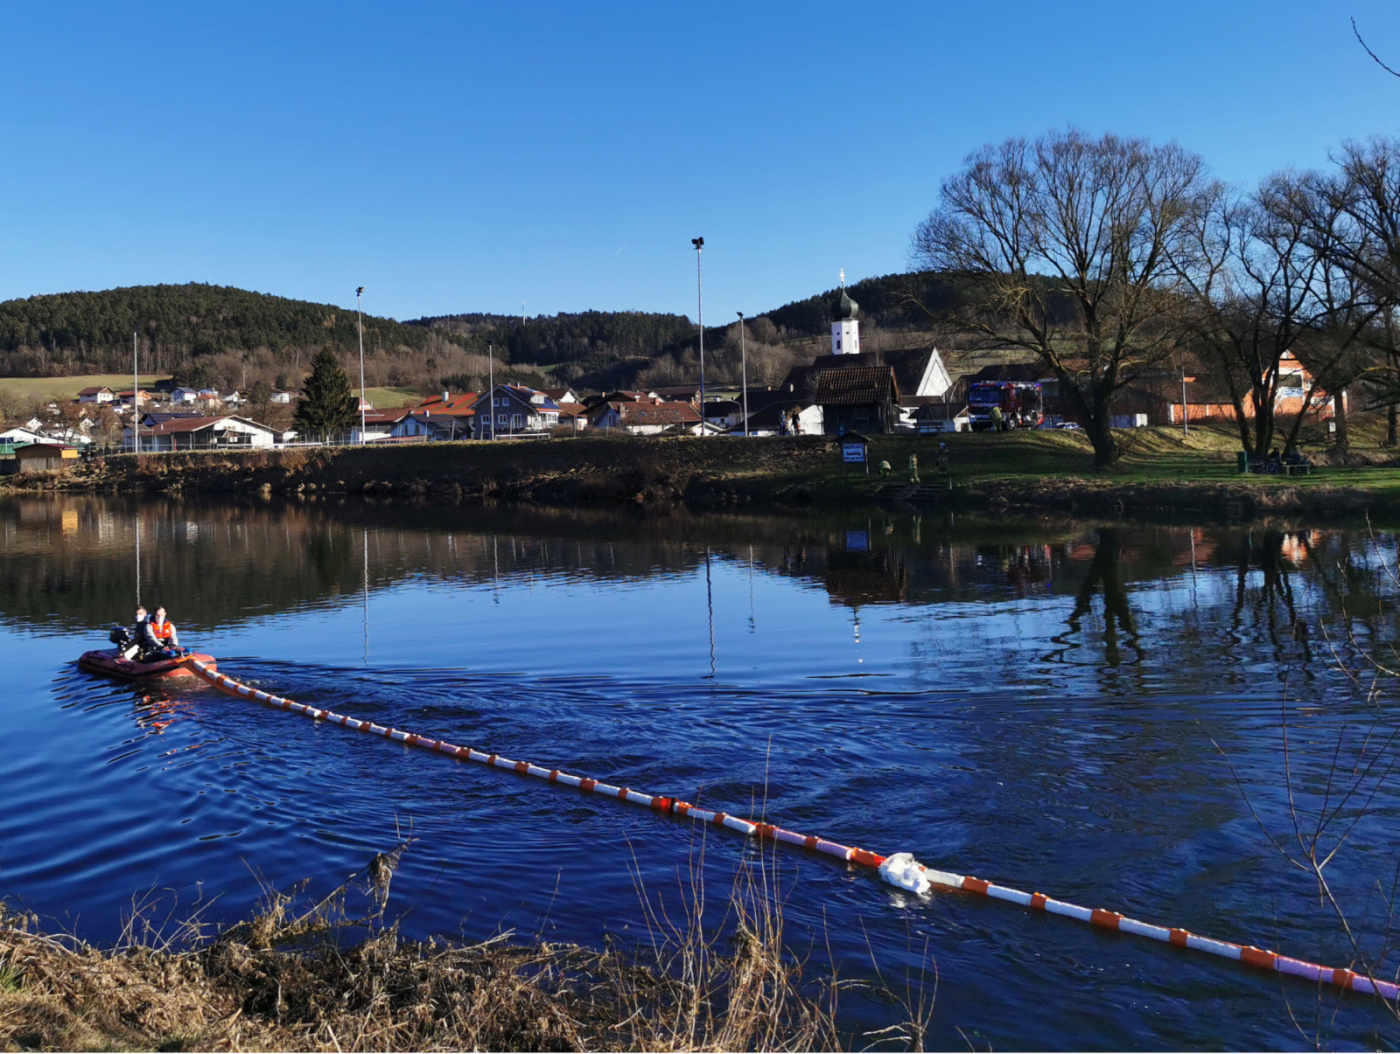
{"x":327,"y":403}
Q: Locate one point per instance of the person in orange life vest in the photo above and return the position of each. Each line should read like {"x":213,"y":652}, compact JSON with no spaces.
{"x":161,"y":631}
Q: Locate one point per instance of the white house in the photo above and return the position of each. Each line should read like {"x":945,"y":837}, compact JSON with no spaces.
{"x":20,"y":434}
{"x":96,"y":395}
{"x":281,"y":398}
{"x":203,"y":433}
{"x":784,"y":415}
{"x":184,"y":395}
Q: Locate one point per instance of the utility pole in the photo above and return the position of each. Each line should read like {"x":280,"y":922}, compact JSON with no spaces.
{"x":491,"y":395}
{"x":744,"y":366}
{"x":135,"y":417}
{"x":359,"y":322}
{"x":699,"y":244}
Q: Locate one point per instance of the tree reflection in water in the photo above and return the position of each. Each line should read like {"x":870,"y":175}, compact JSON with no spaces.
{"x":1104,"y":570}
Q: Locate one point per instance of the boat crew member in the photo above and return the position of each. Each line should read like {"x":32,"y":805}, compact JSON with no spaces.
{"x":140,"y":638}
{"x":162,"y":631}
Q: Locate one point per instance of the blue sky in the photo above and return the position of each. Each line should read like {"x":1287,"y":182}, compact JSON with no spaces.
{"x":468,"y":157}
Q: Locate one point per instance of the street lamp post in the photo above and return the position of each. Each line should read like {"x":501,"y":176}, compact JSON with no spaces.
{"x":699,"y":244}
{"x":360,"y":324}
{"x":744,"y":366}
{"x":135,"y":414}
{"x":1185,"y":410}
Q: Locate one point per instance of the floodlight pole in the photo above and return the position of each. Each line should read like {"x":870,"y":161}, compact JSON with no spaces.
{"x":699,"y":244}
{"x":359,"y":322}
{"x":744,"y":366}
{"x":491,"y":395}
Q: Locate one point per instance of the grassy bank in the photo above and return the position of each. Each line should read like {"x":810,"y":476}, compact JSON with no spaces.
{"x":1161,"y":472}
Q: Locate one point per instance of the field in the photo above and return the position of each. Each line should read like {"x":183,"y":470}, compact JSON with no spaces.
{"x":68,"y":387}
{"x":391,"y":398}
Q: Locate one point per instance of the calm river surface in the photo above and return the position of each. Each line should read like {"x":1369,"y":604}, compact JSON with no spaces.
{"x":1035,"y":705}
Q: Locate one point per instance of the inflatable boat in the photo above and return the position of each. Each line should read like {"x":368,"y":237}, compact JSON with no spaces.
{"x":124,"y":661}
{"x":111,"y":663}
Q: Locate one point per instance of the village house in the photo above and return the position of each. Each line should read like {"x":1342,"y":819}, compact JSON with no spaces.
{"x":96,"y":395}
{"x":1291,"y":396}
{"x":20,"y":434}
{"x":781,"y":413}
{"x":560,"y":396}
{"x":201,"y":433}
{"x":723,"y":413}
{"x":280,"y":398}
{"x":573,"y":415}
{"x":645,"y":417}
{"x":680,"y":393}
{"x":439,"y":417}
{"x":435,"y":425}
{"x":514,"y":409}
{"x":377,"y":426}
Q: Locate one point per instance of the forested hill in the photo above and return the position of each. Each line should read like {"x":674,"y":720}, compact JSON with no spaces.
{"x":176,"y":321}
{"x":896,"y":301}
{"x":230,"y":335}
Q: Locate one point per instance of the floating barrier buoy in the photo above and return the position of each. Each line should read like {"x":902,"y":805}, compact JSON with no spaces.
{"x":899,"y":869}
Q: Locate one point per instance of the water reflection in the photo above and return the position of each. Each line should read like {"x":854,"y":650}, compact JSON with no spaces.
{"x":1046,"y":702}
{"x":1104,"y":573}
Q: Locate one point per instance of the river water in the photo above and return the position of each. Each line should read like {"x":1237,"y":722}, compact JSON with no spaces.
{"x":1142,"y":718}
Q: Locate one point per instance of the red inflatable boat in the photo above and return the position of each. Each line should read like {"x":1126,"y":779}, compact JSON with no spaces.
{"x":110,"y":663}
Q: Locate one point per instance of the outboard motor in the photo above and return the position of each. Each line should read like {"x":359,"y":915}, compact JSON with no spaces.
{"x":122,"y":638}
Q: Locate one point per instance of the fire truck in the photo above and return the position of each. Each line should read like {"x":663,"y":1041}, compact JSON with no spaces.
{"x":1021,"y":402}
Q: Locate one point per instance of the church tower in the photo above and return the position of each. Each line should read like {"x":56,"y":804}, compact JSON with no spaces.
{"x":845,"y":330}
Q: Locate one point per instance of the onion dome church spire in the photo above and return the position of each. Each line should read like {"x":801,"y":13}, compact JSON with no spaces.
{"x":845,"y":330}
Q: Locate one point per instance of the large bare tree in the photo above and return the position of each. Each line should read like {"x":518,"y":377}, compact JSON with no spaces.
{"x":1257,"y":267}
{"x":1068,"y":246}
{"x":1361,"y":202}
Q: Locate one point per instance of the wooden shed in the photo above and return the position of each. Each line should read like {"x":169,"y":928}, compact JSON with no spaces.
{"x":45,"y":457}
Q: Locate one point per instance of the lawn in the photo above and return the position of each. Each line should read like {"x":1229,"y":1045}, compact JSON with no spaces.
{"x":391,"y":398}
{"x":1149,"y":455}
{"x":68,"y":387}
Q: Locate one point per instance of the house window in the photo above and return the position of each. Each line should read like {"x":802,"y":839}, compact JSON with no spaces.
{"x":501,"y":419}
{"x":516,"y":422}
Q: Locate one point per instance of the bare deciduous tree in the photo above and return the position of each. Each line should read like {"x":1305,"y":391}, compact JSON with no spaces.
{"x":1255,"y":266}
{"x":1065,"y":246}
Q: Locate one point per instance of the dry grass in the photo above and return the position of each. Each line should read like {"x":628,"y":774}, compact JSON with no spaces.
{"x":290,"y":979}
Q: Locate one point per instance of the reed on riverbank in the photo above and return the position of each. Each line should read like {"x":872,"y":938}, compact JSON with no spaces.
{"x":289,"y":979}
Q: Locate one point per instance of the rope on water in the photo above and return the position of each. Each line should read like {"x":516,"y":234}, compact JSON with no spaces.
{"x":899,"y":869}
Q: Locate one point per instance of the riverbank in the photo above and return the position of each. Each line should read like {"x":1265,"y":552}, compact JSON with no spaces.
{"x":291,"y":979}
{"x":1161,"y":474}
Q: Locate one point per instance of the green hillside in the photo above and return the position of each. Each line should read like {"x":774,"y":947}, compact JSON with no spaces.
{"x":195,"y":317}
{"x":235,"y":337}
